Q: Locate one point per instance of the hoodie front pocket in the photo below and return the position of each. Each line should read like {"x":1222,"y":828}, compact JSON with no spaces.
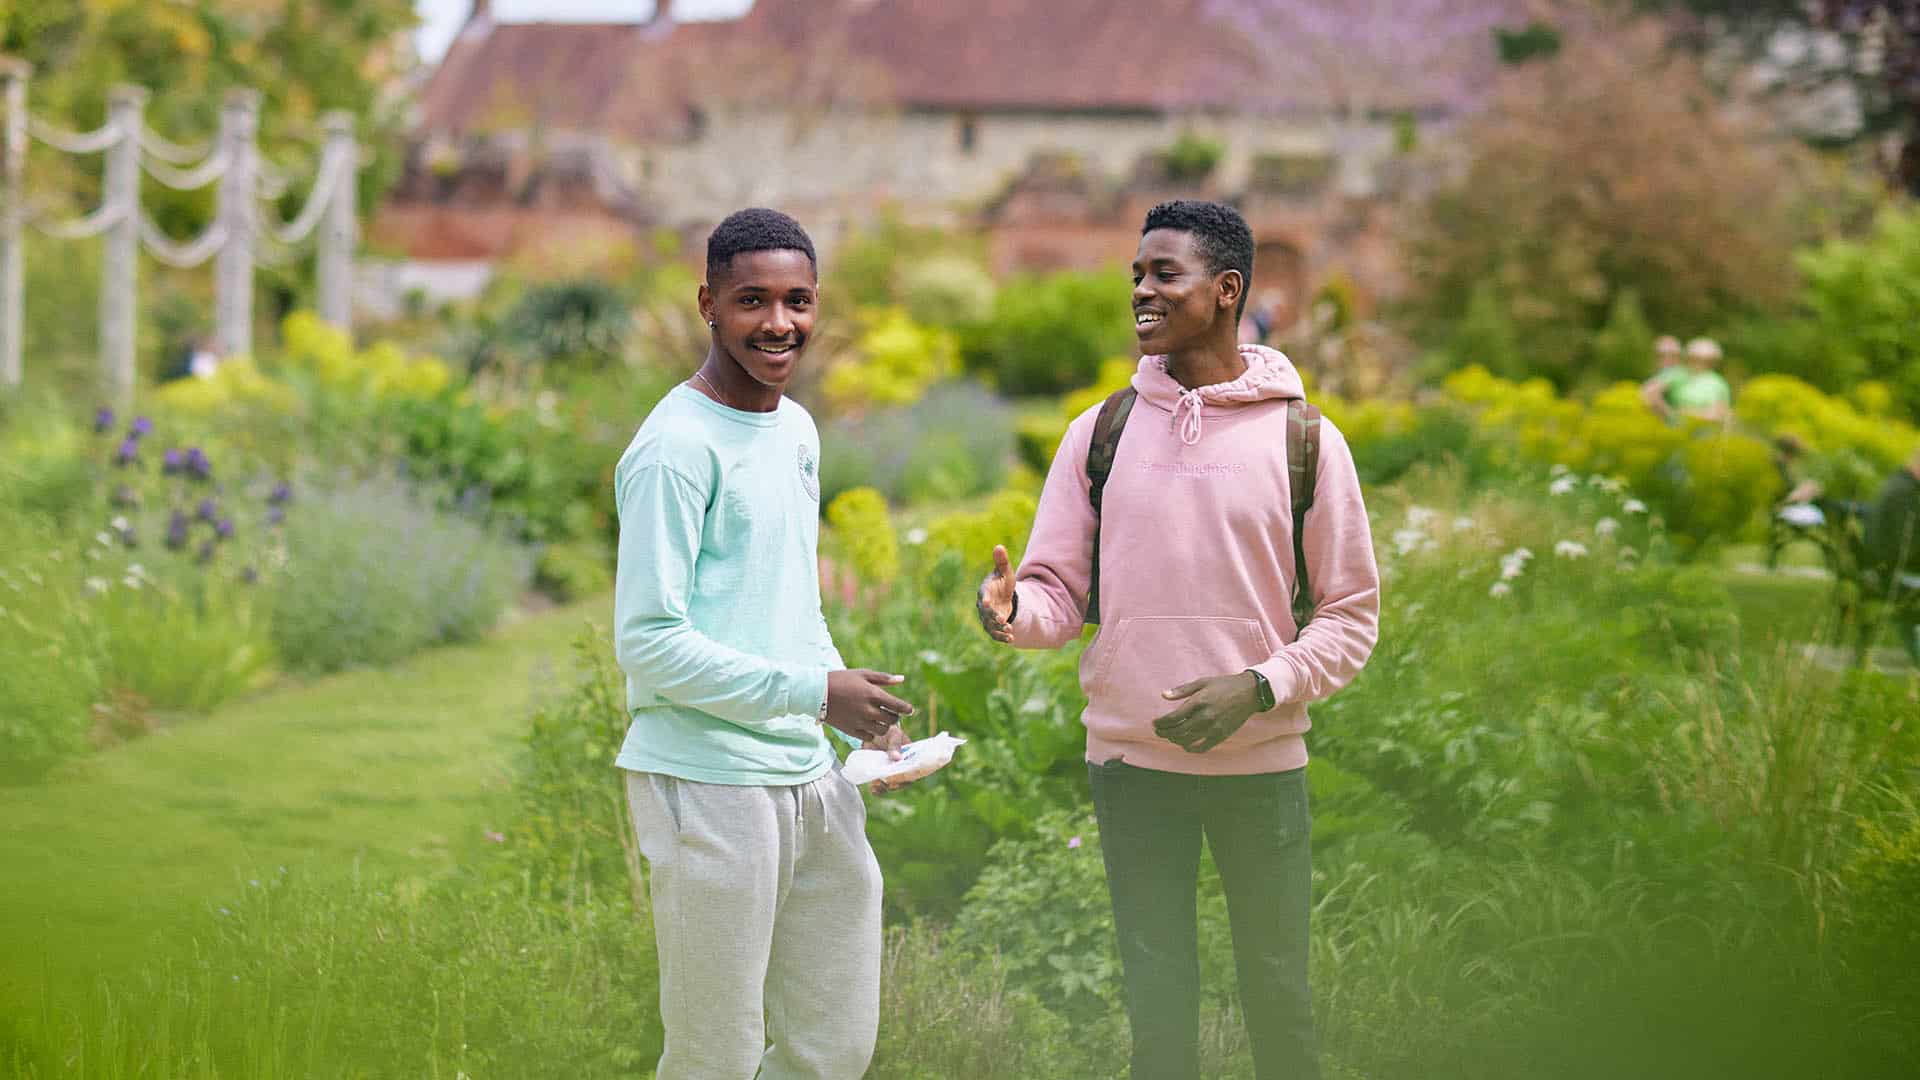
{"x":1150,"y":654}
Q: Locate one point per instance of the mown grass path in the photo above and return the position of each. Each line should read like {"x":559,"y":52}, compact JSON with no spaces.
{"x":123,"y":857}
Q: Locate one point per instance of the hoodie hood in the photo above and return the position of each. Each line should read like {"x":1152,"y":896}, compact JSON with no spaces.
{"x":1269,"y":375}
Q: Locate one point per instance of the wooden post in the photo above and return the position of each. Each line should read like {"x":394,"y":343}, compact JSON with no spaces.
{"x":120,"y":257}
{"x":13,"y":162}
{"x":233,"y":272}
{"x":338,"y":227}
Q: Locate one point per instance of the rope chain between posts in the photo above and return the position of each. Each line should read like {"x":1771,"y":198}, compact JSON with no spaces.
{"x":172,"y":153}
{"x":189,"y":179}
{"x":101,"y":138}
{"x":106,"y":217}
{"x":182,"y":256}
{"x":317,"y":201}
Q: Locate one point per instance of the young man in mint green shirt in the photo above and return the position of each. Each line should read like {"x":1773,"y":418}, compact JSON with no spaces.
{"x":766,"y":895}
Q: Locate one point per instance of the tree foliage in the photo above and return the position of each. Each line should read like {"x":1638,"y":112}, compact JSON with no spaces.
{"x":304,"y":56}
{"x":1609,"y":166}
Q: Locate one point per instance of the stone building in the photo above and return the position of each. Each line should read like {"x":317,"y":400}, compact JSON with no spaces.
{"x":1051,"y":126}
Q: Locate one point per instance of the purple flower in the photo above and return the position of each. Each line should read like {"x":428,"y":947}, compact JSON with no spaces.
{"x":141,"y":428}
{"x":124,"y":496}
{"x":128,"y":453}
{"x":176,"y":531}
{"x":129,"y":537}
{"x":197,"y":463}
{"x":224,"y":528}
{"x":1073,"y":843}
{"x":206,"y":553}
{"x":172,"y":461}
{"x":206,"y":511}
{"x":276,"y":515}
{"x":249,"y":576}
{"x":281,"y":495}
{"x":102,"y":420}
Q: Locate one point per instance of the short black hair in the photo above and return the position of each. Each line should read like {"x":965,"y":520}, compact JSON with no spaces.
{"x":755,"y":229}
{"x":1219,"y":232}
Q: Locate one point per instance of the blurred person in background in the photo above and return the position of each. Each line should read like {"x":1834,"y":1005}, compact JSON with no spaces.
{"x":1703,"y":394}
{"x":1669,"y":370}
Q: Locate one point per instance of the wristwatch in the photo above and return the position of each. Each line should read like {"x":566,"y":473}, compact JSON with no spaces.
{"x":1263,"y":690}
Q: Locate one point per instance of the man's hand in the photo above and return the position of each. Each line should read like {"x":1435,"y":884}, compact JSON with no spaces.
{"x":995,"y":600}
{"x":857,"y":705}
{"x":891,"y":742}
{"x":1210,"y":711}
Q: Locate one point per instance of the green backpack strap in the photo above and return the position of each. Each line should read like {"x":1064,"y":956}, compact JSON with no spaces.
{"x":1100,"y":452}
{"x":1303,"y":471}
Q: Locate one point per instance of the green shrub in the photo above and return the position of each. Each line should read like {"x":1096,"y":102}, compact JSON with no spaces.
{"x":894,"y":362}
{"x":863,"y":535}
{"x":1192,"y":157}
{"x":947,"y":290}
{"x":374,"y":573}
{"x":573,"y":570}
{"x":48,"y":674}
{"x":186,"y":645}
{"x":582,"y":324}
{"x":954,"y":443}
{"x":1623,"y":347}
{"x":1048,"y":334}
{"x":572,"y":837}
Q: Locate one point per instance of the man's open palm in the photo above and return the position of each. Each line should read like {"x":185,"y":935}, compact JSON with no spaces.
{"x":995,"y":601}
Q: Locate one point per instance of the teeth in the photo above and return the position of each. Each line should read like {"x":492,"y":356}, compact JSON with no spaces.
{"x":1144,"y":319}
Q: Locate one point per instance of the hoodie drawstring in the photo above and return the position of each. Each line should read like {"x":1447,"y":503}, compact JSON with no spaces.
{"x":1188,"y":424}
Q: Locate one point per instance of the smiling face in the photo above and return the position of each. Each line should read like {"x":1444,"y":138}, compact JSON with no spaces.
{"x":762,"y":307}
{"x":1177,"y":303}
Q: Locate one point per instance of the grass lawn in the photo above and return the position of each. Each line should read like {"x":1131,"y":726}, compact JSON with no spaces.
{"x":122,"y":856}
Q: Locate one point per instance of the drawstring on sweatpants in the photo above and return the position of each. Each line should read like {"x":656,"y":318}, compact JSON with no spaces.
{"x":800,"y":793}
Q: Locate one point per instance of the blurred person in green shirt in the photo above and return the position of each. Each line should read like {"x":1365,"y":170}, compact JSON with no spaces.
{"x":1704,"y":393}
{"x":1670,"y":356}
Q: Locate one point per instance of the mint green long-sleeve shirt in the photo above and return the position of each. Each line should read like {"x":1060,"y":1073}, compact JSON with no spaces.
{"x":717,"y":620}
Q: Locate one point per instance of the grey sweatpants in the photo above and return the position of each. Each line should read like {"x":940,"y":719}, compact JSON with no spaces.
{"x":764,"y":898}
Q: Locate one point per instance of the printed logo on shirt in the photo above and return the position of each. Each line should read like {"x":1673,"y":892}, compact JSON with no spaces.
{"x":1184,"y":468}
{"x":809,"y":472}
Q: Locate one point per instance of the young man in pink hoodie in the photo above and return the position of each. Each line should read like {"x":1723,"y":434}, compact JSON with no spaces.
{"x":1198,"y":681}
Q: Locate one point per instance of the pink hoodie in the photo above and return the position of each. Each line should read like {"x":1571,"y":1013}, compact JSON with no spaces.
{"x":1197,"y":567}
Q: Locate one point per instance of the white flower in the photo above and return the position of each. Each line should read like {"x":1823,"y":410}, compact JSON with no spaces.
{"x":1634,"y":506}
{"x":916,"y":536}
{"x":1627,"y":554}
{"x":1559,"y":470}
{"x":1606,"y":483}
{"x":1563,"y":485}
{"x":120,"y":523}
{"x":1463,"y":522}
{"x":96,"y":585}
{"x":1606,"y":526}
{"x":131,"y":581}
{"x":1418,"y":516}
{"x":1405,"y":540}
{"x":1500,"y":588}
{"x":1570,"y":549}
{"x":137,"y":570}
{"x":103,"y":538}
{"x":1514,"y":563}
{"x":1415,"y":609}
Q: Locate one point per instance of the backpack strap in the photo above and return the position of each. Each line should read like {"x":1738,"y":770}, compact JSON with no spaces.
{"x":1303,"y":471}
{"x":1106,"y":443}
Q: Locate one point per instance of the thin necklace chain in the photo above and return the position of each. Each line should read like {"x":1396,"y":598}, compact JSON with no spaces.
{"x":715,"y":391}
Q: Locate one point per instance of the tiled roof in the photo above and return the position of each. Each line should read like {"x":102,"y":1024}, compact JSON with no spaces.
{"x":634,"y":81}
